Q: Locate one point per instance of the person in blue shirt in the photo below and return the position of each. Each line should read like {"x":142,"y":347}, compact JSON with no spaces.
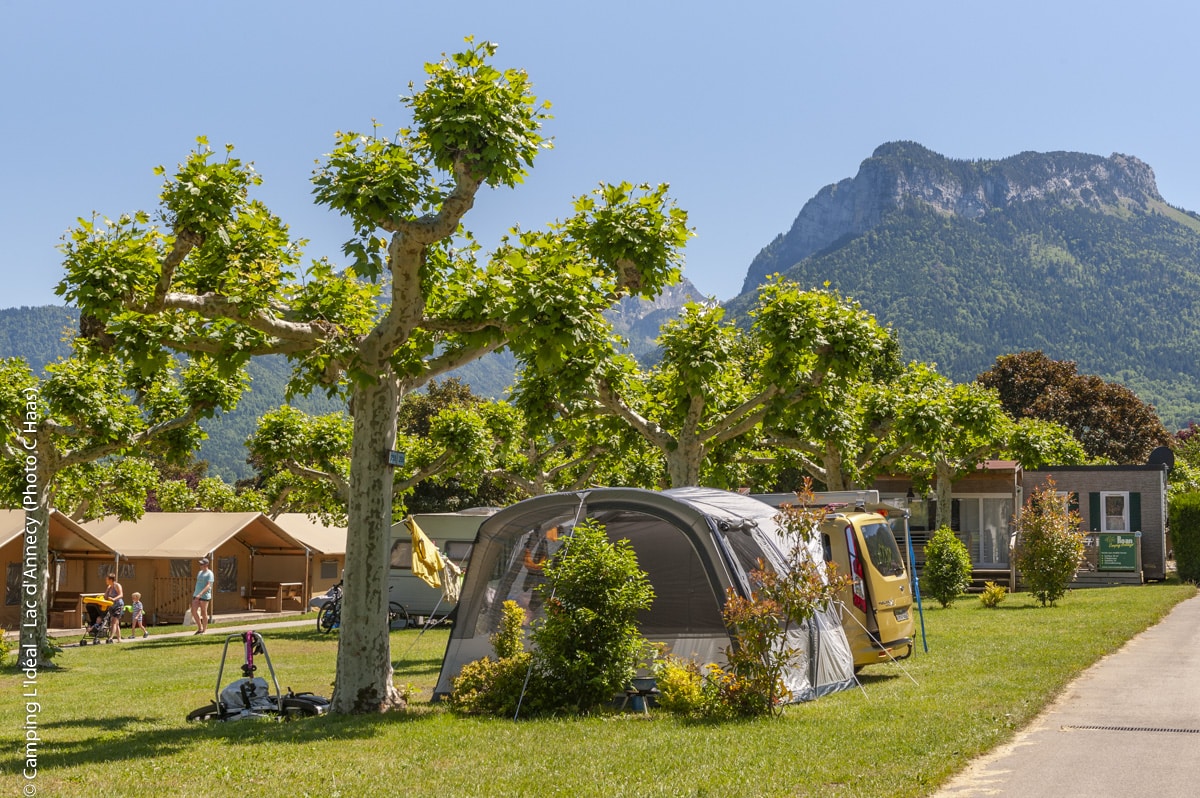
{"x":202,"y":595}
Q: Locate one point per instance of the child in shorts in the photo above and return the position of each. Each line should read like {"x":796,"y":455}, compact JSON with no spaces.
{"x":139,"y":616}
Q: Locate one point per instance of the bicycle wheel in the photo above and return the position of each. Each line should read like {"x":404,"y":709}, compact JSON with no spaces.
{"x":397,"y":615}
{"x":329,"y":616}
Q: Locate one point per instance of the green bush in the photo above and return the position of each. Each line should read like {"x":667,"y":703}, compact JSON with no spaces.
{"x":947,"y":571}
{"x":491,"y":686}
{"x":588,"y":644}
{"x":680,"y":686}
{"x":1184,"y":515}
{"x":993,"y":595}
{"x":1049,"y":544}
{"x":510,"y":639}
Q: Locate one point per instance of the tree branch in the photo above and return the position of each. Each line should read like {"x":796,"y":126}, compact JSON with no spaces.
{"x":100,"y":451}
{"x":449,"y":361}
{"x":434,"y":467}
{"x":185,"y":242}
{"x":607,"y":397}
{"x":216,"y":307}
{"x":337,"y":480}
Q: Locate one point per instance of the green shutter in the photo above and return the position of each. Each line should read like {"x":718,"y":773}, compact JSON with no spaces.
{"x":1135,"y":512}
{"x":1073,"y":502}
{"x":1095,"y":519}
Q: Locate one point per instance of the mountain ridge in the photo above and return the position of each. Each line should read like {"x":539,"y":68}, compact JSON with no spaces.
{"x":1075,"y":254}
{"x":902,"y":171}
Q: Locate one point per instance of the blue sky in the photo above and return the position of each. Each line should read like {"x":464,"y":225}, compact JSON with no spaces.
{"x":746,"y":109}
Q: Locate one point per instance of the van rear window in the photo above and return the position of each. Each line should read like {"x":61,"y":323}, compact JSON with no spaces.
{"x":882,"y":549}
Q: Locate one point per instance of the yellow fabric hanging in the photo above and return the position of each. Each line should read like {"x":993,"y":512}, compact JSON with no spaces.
{"x":426,"y":560}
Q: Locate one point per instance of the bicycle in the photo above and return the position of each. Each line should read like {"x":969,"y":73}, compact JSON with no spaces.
{"x":330,"y":616}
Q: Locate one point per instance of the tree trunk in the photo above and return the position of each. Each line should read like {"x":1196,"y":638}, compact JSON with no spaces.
{"x":835,"y":473}
{"x":945,"y":480}
{"x":36,"y":649}
{"x":364,"y":659}
{"x":683,"y":463}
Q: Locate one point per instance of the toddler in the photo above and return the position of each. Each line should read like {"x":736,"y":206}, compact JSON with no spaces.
{"x":139,"y":616}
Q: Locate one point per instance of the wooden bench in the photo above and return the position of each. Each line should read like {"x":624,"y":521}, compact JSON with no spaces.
{"x":271,"y":595}
{"x":66,"y":611}
{"x":266,"y":595}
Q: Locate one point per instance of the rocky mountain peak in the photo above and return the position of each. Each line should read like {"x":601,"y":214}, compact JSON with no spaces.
{"x":905,"y":171}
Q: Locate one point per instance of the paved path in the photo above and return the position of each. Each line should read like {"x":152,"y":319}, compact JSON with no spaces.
{"x":1128,"y":726}
{"x":251,"y":622}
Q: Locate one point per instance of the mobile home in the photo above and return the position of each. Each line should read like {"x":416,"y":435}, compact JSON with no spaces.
{"x":454,"y":536}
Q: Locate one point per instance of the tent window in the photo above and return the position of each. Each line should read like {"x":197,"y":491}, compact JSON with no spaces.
{"x":181,"y":568}
{"x":329,"y":569}
{"x":12,"y":584}
{"x":520,"y":556}
{"x":227,"y":574}
{"x":126,"y":571}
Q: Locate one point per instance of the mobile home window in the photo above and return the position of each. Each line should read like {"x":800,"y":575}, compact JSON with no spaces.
{"x":329,"y":569}
{"x":1116,"y":511}
{"x":458,"y":551}
{"x":401,"y":556}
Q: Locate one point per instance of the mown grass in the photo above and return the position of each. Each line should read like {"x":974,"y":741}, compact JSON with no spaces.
{"x":112,"y":720}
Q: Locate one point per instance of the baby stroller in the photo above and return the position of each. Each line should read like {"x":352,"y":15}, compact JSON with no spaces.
{"x":102,"y":616}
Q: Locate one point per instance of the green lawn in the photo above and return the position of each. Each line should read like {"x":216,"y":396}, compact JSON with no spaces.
{"x":112,"y":722}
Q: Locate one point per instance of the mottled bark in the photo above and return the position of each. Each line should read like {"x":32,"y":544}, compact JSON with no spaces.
{"x":36,"y":649}
{"x":364,"y":661}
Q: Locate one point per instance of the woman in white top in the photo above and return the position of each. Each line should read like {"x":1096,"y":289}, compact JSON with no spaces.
{"x":201,"y":596}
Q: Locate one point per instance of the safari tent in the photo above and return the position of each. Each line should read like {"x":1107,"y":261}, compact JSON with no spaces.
{"x":159,"y":554}
{"x":327,"y":549}
{"x":72,"y":550}
{"x":693,"y":543}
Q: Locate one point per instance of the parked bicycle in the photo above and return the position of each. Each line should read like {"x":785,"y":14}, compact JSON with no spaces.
{"x":330,"y":616}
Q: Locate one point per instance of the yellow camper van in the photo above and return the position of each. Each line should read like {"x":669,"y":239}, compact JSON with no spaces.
{"x":859,"y":535}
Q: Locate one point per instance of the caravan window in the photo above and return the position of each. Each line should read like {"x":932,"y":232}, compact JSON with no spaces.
{"x":401,"y":556}
{"x":458,"y":551}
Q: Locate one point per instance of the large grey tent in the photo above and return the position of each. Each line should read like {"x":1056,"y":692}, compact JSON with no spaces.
{"x":694,"y":543}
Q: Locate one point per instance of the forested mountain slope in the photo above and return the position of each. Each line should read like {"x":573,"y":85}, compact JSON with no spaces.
{"x":1073,"y":254}
{"x":41,"y":335}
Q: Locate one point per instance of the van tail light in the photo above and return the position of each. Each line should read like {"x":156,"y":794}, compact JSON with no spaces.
{"x":857,"y":577}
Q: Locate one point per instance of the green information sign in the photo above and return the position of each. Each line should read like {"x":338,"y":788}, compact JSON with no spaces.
{"x":1118,"y":551}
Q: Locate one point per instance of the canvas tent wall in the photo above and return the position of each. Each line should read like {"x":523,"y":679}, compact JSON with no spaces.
{"x":327,"y":549}
{"x":72,"y":550}
{"x":159,"y":554}
{"x":694,"y":544}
